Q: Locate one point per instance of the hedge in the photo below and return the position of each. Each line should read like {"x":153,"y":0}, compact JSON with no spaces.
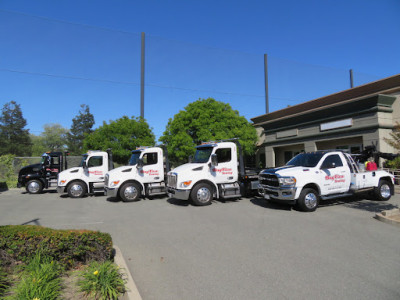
{"x":70,"y":248}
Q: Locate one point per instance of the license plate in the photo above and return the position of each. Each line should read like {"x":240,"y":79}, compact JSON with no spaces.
{"x":266,"y":196}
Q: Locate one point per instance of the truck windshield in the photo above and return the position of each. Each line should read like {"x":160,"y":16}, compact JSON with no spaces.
{"x":134,"y":158}
{"x":202,"y":154}
{"x":84,"y":158}
{"x":306,"y":159}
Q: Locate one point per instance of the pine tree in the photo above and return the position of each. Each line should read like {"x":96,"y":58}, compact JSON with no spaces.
{"x":14,"y":139}
{"x":81,"y":126}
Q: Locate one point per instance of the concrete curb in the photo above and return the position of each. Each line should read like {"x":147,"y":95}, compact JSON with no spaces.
{"x":132,"y":293}
{"x":391,"y":216}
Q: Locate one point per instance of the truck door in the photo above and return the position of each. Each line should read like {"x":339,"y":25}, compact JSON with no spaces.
{"x":335,"y":175}
{"x":226,"y":171}
{"x":96,"y":168}
{"x":152,"y":165}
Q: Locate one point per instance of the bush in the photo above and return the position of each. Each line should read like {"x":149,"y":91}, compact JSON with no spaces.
{"x":8,"y":179}
{"x":4,"y":282}
{"x":393,"y":164}
{"x":69,"y":247}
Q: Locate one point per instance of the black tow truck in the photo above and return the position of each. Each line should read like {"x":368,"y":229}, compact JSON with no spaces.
{"x":43,"y":175}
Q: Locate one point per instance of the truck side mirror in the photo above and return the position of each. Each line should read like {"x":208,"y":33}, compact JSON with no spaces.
{"x":84,"y":165}
{"x":140,"y":163}
{"x":214,"y":160}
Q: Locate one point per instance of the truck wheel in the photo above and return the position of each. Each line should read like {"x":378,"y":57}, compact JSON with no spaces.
{"x":34,"y":186}
{"x":383,"y":191}
{"x":77,"y":189}
{"x":202,"y":194}
{"x":308,"y":200}
{"x":129,"y":192}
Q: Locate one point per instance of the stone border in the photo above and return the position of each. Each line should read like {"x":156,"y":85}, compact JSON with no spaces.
{"x":132,"y":291}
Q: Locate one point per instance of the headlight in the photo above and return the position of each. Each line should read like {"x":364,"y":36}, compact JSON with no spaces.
{"x":287,"y":181}
{"x":62,"y":182}
{"x":185,"y":184}
{"x":114,"y":183}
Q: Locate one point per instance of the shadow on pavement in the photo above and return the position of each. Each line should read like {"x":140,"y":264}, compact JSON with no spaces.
{"x":271,"y":205}
{"x":34,"y":221}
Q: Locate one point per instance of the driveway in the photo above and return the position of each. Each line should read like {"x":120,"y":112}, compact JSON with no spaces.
{"x":245,"y":249}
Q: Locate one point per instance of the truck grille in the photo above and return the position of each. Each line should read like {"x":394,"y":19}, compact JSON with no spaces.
{"x":269,"y":180}
{"x":172,"y":180}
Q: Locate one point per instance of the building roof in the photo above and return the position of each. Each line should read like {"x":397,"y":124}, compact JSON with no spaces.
{"x":388,"y":85}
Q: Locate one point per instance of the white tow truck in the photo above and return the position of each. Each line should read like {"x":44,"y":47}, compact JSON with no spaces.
{"x":313,"y":176}
{"x":144,"y":176}
{"x":217,"y":171}
{"x":88,"y":177}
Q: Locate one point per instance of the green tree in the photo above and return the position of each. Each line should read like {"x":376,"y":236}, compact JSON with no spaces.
{"x":122,"y":136}
{"x":54,"y":137}
{"x":14,"y":139}
{"x":206,"y":120}
{"x":38,"y":145}
{"x":81,"y":126}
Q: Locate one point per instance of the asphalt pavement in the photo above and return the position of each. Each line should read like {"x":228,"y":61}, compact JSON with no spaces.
{"x":244,"y":249}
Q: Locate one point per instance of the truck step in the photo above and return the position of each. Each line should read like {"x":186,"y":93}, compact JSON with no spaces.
{"x":335,"y":196}
{"x":229,"y":190}
{"x":157,"y":188}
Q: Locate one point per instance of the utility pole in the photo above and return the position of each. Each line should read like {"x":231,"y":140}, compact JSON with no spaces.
{"x":351,"y":78}
{"x":266,"y":83}
{"x":142,"y":79}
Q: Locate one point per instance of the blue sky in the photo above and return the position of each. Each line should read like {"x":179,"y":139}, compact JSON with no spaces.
{"x":56,"y":55}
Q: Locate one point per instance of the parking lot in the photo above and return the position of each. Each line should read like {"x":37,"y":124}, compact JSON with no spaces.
{"x":244,"y":249}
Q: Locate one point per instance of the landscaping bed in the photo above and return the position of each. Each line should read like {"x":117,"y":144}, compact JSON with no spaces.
{"x":43,"y":263}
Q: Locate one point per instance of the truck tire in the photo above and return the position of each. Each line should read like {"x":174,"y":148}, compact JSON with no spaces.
{"x":76,"y":189}
{"x":308,"y":200}
{"x":201,"y":194}
{"x":34,"y":186}
{"x":383,"y":191}
{"x":130,"y":192}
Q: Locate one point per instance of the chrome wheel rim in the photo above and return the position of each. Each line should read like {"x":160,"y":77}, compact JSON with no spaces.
{"x":203,"y":195}
{"x":130,"y":193}
{"x":310,"y":200}
{"x":385,"y":191}
{"x":33,"y":187}
{"x":76,"y":190}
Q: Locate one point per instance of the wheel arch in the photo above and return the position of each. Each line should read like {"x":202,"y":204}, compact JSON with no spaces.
{"x":388,"y":179}
{"x":312,"y":186}
{"x":209,"y":182}
{"x":142,"y":187}
{"x":78,"y":180}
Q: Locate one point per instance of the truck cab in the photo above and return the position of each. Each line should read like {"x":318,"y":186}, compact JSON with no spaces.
{"x":217,"y":170}
{"x":88,"y":177}
{"x":43,"y":175}
{"x":313,"y":176}
{"x":144,"y":176}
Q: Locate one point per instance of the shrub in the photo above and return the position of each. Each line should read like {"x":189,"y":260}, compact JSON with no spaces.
{"x":393,"y":164}
{"x":69,"y":247}
{"x":8,"y":179}
{"x":102,"y":281}
{"x":40,"y":279}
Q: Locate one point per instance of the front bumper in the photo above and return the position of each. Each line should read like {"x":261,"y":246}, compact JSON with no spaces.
{"x":284,"y":195}
{"x":111,"y":192}
{"x":178,"y":194}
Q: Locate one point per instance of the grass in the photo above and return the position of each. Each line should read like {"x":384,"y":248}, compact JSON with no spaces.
{"x":102,"y":281}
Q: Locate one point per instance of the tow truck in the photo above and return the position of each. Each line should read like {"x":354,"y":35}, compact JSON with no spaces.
{"x":217,"y":171}
{"x":322,"y":175}
{"x":144,"y":176}
{"x":88,"y":177}
{"x":43,"y":175}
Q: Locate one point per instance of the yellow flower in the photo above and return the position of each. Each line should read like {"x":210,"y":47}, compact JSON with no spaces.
{"x":95,"y":272}
{"x":36,"y":299}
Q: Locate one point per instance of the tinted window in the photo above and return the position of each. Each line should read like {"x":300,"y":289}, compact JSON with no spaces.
{"x":95,"y":161}
{"x":202,"y":154}
{"x":224,"y":155}
{"x":332,"y":160}
{"x":305,"y":159}
{"x":149,"y":158}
